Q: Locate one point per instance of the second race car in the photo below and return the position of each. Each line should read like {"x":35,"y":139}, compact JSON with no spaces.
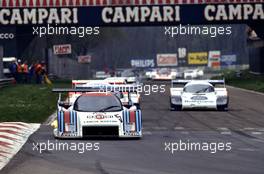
{"x":127,"y":98}
{"x":198,"y":94}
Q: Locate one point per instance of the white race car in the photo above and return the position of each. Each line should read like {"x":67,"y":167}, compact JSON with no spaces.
{"x":95,"y":113}
{"x":132,"y":80}
{"x":127,"y":99}
{"x":101,"y":75}
{"x":85,"y":82}
{"x":193,"y":74}
{"x":122,"y":82}
{"x":130,"y":76}
{"x":198,"y":94}
{"x":116,"y":80}
{"x":163,"y":74}
{"x":130,"y":98}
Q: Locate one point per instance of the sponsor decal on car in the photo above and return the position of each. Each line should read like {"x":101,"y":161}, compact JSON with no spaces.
{"x":100,"y":116}
{"x":199,"y":98}
{"x":198,"y":101}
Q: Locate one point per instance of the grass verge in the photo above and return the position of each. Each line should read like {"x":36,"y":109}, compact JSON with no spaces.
{"x":28,"y":103}
{"x":243,"y":79}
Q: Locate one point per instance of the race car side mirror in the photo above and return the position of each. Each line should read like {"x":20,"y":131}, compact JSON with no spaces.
{"x":65,"y":105}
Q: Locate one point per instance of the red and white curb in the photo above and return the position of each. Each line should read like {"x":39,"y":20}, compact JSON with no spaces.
{"x":13,"y":135}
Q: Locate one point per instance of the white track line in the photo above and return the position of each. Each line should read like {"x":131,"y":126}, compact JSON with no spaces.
{"x":247,"y":149}
{"x":256,"y":133}
{"x":178,"y":128}
{"x":184,"y":132}
{"x":226,"y":133}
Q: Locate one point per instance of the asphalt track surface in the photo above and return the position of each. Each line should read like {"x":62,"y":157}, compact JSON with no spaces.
{"x":242,"y":125}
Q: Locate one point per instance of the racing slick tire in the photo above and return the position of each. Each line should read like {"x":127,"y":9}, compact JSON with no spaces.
{"x":222,"y":107}
{"x":176,"y":107}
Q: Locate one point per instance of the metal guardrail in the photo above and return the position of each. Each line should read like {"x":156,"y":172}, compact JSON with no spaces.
{"x":6,"y":82}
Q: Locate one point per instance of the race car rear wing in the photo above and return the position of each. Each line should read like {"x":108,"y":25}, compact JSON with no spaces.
{"x":103,"y":89}
{"x":111,"y":80}
{"x":120,"y":89}
{"x":177,"y":87}
{"x":181,"y":83}
{"x":109,"y":87}
{"x":217,"y":82}
{"x":116,"y":90}
{"x":91,"y":85}
{"x":69,"y":90}
{"x":84,"y":82}
{"x":116,"y":80}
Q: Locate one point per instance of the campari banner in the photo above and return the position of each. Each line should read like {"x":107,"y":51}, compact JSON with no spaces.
{"x":135,"y":15}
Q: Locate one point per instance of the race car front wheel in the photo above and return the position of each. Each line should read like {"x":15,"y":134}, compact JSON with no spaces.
{"x":176,"y":107}
{"x":222,"y":107}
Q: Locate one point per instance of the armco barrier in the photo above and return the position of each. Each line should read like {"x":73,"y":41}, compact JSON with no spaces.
{"x":6,"y":82}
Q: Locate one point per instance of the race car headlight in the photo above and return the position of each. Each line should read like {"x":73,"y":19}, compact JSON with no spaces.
{"x":176,"y":100}
{"x":54,"y":124}
{"x":222,"y":100}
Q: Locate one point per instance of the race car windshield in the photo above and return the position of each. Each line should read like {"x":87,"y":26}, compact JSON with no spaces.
{"x":163,"y":71}
{"x":97,"y":104}
{"x":119,"y":95}
{"x":198,"y":88}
